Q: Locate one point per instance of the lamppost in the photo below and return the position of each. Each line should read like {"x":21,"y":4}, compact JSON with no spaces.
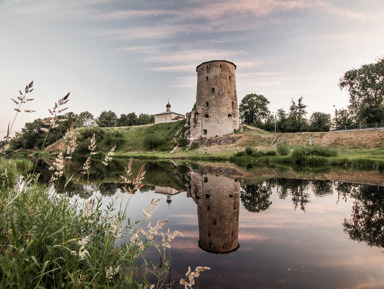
{"x":335,"y":117}
{"x":274,"y":114}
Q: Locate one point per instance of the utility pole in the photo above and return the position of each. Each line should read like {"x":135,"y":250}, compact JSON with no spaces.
{"x":335,"y":117}
{"x":275,"y":124}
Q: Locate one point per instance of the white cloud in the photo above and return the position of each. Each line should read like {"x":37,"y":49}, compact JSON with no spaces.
{"x":137,"y":33}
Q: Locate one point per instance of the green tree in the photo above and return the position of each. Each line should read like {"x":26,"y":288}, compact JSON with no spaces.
{"x":72,"y":117}
{"x":269,"y":123}
{"x":320,"y":121}
{"x":366,"y":92}
{"x":343,"y":118}
{"x":32,"y":136}
{"x":107,"y":119}
{"x":128,"y":119}
{"x":254,"y":109}
{"x":85,"y":118}
{"x":281,"y":118}
{"x":296,"y":118}
{"x":145,"y":119}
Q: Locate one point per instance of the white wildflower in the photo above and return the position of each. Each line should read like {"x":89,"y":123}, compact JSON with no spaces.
{"x":92,"y":145}
{"x":169,"y":237}
{"x":108,"y":157}
{"x":82,"y":251}
{"x":190,"y":280}
{"x":70,"y":141}
{"x":88,"y":211}
{"x":147,"y":214}
{"x":153,"y":230}
{"x":58,"y":167}
{"x":112,"y":272}
{"x":86,"y":166}
{"x":116,"y":228}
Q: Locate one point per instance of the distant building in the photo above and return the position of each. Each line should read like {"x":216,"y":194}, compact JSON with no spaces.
{"x":168,"y":191}
{"x":168,"y":116}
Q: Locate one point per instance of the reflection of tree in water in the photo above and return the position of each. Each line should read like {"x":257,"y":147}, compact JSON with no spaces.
{"x":344,"y":190}
{"x":255,"y":198}
{"x":367,"y":220}
{"x":300,"y":196}
{"x":297,"y":188}
{"x":322,"y":188}
{"x":282,"y":187}
{"x":109,"y":189}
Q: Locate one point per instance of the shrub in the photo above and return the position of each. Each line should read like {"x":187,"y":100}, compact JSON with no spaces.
{"x":182,"y":142}
{"x":283,"y":149}
{"x":302,"y":152}
{"x":363,"y":164}
{"x":270,"y":153}
{"x":113,"y":138}
{"x":151,"y":142}
{"x":299,"y":154}
{"x":315,"y":161}
{"x":168,"y":146}
{"x":194,"y":146}
{"x":249,"y":151}
{"x":322,"y":151}
{"x":8,"y":173}
{"x":257,"y":154}
{"x":23,"y":166}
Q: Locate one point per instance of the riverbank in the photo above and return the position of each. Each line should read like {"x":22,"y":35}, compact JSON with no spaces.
{"x":355,"y":149}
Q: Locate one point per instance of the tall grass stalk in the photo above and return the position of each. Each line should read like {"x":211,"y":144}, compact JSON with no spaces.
{"x":50,"y":242}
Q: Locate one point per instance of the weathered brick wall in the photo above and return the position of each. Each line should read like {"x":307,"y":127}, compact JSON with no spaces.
{"x":218,"y":200}
{"x":216,"y":111}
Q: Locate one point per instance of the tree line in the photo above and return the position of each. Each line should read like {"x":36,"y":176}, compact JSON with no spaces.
{"x":33,"y":135}
{"x":365,"y":87}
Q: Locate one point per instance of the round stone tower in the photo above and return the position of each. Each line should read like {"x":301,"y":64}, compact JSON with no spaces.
{"x":218,"y":201}
{"x":216,"y":110}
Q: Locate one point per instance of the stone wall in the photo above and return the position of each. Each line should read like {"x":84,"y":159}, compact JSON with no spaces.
{"x":218,"y":199}
{"x":216,"y":111}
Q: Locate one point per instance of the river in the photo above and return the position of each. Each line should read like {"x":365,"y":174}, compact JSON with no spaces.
{"x":260,"y":231}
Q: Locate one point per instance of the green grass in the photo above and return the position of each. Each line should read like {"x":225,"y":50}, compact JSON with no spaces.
{"x":154,"y":142}
{"x":314,"y":157}
{"x":136,"y":138}
{"x":8,"y":172}
{"x":48,"y":241}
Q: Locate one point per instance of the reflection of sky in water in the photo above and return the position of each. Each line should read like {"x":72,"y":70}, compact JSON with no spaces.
{"x":281,"y":247}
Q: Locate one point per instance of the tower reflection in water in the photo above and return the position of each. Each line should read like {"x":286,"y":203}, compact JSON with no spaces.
{"x":218,"y":199}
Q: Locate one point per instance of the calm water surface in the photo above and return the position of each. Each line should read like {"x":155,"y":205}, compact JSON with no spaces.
{"x":278,"y":233}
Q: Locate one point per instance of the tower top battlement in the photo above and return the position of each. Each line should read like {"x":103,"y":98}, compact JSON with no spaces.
{"x":215,"y":61}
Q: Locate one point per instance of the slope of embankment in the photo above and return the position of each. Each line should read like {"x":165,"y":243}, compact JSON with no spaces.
{"x":162,"y":138}
{"x":256,"y":138}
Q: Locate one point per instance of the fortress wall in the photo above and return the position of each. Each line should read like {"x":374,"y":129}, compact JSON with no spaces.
{"x":216,"y":111}
{"x":218,"y":200}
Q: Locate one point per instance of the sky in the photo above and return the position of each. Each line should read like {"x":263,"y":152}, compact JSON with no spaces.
{"x":133,"y":56}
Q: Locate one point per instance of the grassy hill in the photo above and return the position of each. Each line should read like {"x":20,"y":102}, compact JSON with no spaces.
{"x":158,"y":140}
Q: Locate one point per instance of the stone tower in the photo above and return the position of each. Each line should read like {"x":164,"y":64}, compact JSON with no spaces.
{"x":218,"y":200}
{"x":216,"y":110}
